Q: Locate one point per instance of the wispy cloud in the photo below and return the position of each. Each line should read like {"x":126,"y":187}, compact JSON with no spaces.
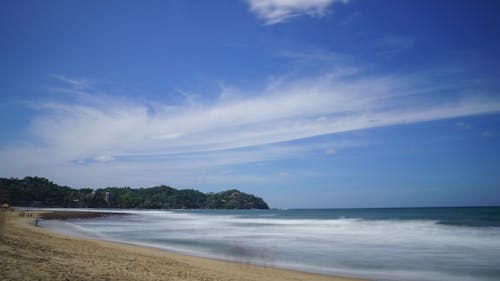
{"x":330,"y":151}
{"x":136,"y":139}
{"x":487,"y":134}
{"x":104,"y":158}
{"x":278,"y":11}
{"x":463,"y":126}
{"x":281,"y":174}
{"x":77,"y":84}
{"x":294,"y":110}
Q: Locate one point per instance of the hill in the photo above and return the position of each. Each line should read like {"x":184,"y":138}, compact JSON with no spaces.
{"x":40,"y":192}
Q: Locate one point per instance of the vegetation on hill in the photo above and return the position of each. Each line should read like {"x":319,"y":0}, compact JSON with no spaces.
{"x":40,"y":192}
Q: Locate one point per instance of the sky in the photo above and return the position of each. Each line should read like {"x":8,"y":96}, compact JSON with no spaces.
{"x":308,"y":104}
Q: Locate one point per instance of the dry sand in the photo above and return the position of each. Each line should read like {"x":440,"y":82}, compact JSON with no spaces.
{"x":32,"y":253}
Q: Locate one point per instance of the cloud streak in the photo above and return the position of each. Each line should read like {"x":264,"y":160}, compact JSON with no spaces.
{"x":295,"y":110}
{"x":279,"y":11}
{"x":100,"y":133}
{"x":74,"y":83}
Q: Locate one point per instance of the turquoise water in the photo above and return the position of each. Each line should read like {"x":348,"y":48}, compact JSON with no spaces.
{"x":381,"y":244}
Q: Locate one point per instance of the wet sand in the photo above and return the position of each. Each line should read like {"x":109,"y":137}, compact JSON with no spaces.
{"x":32,"y":253}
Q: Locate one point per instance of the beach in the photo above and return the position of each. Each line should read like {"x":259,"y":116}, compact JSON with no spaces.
{"x":32,"y":253}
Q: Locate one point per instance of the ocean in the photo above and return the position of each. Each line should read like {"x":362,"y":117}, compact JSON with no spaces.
{"x":393,"y":244}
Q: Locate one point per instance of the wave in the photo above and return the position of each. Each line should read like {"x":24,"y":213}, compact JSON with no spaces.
{"x":381,"y":249}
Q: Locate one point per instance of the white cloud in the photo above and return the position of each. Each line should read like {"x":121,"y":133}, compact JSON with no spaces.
{"x":294,"y":110}
{"x":104,"y":158}
{"x":76,"y":84}
{"x":330,"y":151}
{"x":278,"y":11}
{"x":143,"y":141}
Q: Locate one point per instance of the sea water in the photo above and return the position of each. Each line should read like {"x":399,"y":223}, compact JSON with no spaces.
{"x":407,"y":244}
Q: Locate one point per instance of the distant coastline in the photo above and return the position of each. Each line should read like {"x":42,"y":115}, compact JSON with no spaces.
{"x":40,"y":192}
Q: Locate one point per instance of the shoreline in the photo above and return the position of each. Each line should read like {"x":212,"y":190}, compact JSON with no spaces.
{"x":33,"y":253}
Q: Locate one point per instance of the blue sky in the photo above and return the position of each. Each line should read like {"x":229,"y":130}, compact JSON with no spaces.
{"x":306,"y":103}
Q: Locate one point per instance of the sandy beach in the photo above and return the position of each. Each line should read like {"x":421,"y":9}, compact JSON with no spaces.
{"x":32,"y":253}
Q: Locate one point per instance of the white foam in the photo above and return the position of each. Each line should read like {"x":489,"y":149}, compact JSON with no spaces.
{"x":381,"y":249}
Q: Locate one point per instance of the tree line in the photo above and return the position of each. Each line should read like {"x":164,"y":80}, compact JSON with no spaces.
{"x":40,"y":192}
